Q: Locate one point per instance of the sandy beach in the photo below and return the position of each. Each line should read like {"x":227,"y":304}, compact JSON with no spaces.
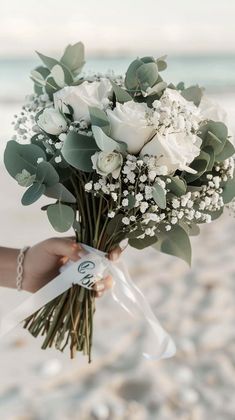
{"x":196,"y":306}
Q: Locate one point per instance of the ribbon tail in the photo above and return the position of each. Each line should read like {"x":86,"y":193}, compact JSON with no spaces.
{"x":132,"y":300}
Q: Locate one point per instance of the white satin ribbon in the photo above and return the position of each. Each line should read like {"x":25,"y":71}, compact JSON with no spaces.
{"x":85,"y":272}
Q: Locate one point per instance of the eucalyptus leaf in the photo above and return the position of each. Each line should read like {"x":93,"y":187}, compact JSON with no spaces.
{"x":104,"y":142}
{"x":200,"y":164}
{"x":37,"y":78}
{"x":210,"y":151}
{"x":78,"y":149}
{"x":226,"y":153}
{"x":33,"y":193}
{"x":177,"y":186}
{"x":193,"y":93}
{"x":61,"y":193}
{"x":175,"y":242}
{"x":229,"y":190}
{"x":46,"y":174}
{"x":18,"y":157}
{"x":58,"y":75}
{"x":99,"y":118}
{"x":159,"y":195}
{"x":147,"y":75}
{"x":61,"y":217}
{"x":161,"y":64}
{"x":73,"y":57}
{"x":158,"y":88}
{"x":131,"y":80}
{"x":52,"y":62}
{"x":121,"y":94}
{"x":142,"y":243}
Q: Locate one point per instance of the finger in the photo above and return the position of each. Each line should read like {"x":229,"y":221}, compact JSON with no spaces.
{"x":108,"y":282}
{"x":115,"y":253}
{"x":64,"y":247}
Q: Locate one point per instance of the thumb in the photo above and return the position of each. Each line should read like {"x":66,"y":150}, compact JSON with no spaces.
{"x":63,"y":247}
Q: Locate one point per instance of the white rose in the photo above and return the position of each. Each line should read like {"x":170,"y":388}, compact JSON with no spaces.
{"x":174,"y":150}
{"x":107,"y":163}
{"x":129,"y":124}
{"x":52,"y":121}
{"x":211,"y":110}
{"x":82,"y":96}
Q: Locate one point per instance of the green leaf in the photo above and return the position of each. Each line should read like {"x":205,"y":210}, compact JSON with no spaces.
{"x":60,"y":216}
{"x":175,"y":242}
{"x":229,"y":190}
{"x":33,"y":193}
{"x":22,"y":156}
{"x":105,"y":143}
{"x":177,"y":186}
{"x":147,"y":75}
{"x":200,"y":164}
{"x":193,"y":93}
{"x":121,"y":94}
{"x":131,"y":80}
{"x":131,"y":201}
{"x":227,"y":152}
{"x":191,"y":229}
{"x":73,"y":57}
{"x":78,"y":149}
{"x":210,"y":151}
{"x":161,"y":64}
{"x":100,"y":119}
{"x":158,"y":88}
{"x":46,"y":174}
{"x":58,"y":75}
{"x":52,"y":62}
{"x":214,"y":134}
{"x":61,"y":193}
{"x":37,"y":78}
{"x":159,"y":195}
{"x":142,"y":243}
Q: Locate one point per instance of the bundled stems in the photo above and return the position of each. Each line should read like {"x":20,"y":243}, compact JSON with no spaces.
{"x":68,"y":319}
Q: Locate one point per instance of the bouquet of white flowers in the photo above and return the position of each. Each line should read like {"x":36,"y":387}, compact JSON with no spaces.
{"x":129,"y":158}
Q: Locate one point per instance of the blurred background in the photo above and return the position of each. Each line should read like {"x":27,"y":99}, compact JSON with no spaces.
{"x":195,"y":305}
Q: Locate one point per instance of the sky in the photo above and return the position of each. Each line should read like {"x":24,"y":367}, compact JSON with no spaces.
{"x":117,"y":27}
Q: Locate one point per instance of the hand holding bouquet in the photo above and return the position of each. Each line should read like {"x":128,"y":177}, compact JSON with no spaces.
{"x":129,"y":158}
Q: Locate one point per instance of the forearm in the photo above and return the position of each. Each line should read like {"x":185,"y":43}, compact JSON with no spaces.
{"x":8,"y":264}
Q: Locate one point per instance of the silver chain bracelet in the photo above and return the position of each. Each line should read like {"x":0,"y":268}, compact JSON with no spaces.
{"x":20,"y":268}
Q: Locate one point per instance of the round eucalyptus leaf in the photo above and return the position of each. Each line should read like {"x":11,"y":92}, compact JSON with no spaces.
{"x":177,"y":186}
{"x":58,"y":75}
{"x":60,"y":216}
{"x":73,"y":57}
{"x":175,"y":242}
{"x":121,"y":94}
{"x":61,"y":193}
{"x":33,"y":193}
{"x":193,"y":94}
{"x":159,"y":195}
{"x":99,"y":118}
{"x":46,"y":174}
{"x":226,"y":153}
{"x":131,"y":80}
{"x":18,"y":157}
{"x":142,"y":243}
{"x":229,"y":190}
{"x":78,"y":149}
{"x":147,"y":75}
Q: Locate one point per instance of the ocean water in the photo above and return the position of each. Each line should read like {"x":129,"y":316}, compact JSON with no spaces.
{"x":215,"y":73}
